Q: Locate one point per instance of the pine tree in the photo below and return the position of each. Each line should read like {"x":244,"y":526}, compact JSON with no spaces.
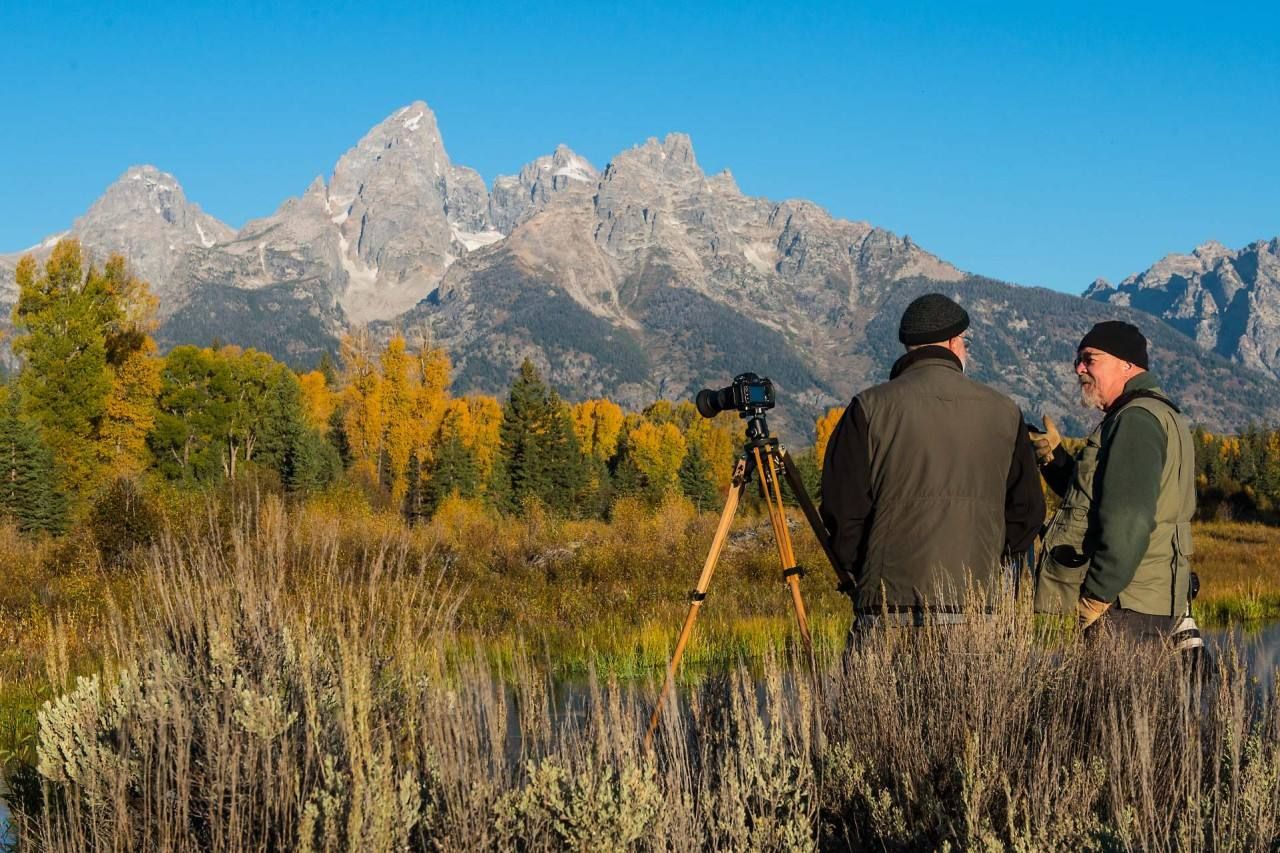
{"x":326,"y":368}
{"x":454,"y":472}
{"x":312,"y":463}
{"x":414,"y":506}
{"x":29,"y":490}
{"x":695,"y":479}
{"x":539,"y":453}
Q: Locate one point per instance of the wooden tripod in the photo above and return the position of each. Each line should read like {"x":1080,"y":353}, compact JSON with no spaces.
{"x":762,"y":456}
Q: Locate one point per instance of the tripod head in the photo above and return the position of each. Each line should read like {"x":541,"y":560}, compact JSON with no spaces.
{"x":757,"y":430}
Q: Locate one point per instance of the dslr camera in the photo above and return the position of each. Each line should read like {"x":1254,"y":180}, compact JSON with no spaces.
{"x":750,"y":394}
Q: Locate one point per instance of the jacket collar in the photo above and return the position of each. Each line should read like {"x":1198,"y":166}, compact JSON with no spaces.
{"x":926,"y":355}
{"x":1144,"y":384}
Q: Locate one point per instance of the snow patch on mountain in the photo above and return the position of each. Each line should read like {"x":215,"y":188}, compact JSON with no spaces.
{"x":473,"y":240}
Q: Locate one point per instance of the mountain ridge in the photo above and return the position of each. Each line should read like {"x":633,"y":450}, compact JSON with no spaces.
{"x":644,"y":279}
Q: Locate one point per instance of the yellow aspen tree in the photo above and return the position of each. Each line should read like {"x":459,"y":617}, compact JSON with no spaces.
{"x":361,"y":401}
{"x":719,"y":439}
{"x":399,"y":414}
{"x":660,"y":412}
{"x":657,"y":450}
{"x":318,"y":400}
{"x":130,"y":411}
{"x":598,"y":426}
{"x":485,"y":415}
{"x":430,"y":380}
{"x":826,"y":426}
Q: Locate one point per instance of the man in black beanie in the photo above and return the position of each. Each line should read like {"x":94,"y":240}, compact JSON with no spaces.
{"x":928,"y":479}
{"x":1116,"y":552}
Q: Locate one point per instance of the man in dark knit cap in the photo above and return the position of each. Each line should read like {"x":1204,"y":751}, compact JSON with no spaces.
{"x":1116,"y":552}
{"x":928,"y":479}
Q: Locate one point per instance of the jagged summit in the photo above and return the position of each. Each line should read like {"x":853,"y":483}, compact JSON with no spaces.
{"x":144,"y":215}
{"x":1227,"y":300}
{"x":1098,"y":286}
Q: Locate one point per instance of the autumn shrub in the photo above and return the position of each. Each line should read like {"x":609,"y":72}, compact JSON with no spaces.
{"x":122,"y":519}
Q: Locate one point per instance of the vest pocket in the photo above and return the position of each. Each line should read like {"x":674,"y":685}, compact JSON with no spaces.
{"x":1063,"y":563}
{"x":1062,"y":573}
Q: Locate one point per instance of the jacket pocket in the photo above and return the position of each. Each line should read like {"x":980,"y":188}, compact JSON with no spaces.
{"x":1182,"y":539}
{"x":1062,"y":570}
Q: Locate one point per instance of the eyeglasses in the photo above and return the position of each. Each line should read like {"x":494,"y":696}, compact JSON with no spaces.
{"x":1086,"y":358}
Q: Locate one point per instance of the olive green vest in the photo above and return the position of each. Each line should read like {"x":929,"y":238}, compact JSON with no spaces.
{"x":1160,"y":584}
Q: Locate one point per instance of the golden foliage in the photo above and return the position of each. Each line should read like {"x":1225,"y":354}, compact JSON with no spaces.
{"x":130,"y":411}
{"x":598,"y":426}
{"x":362,"y":410}
{"x":400,"y":414}
{"x":657,"y":451}
{"x":826,"y":426}
{"x":318,"y":401}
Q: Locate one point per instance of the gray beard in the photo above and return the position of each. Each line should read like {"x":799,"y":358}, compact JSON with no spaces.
{"x":1089,"y":397}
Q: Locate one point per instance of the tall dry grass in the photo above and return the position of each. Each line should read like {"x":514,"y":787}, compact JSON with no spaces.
{"x":285,"y":683}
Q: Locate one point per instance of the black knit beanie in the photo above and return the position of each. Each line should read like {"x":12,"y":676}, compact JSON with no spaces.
{"x":931,"y":319}
{"x":1121,"y":339}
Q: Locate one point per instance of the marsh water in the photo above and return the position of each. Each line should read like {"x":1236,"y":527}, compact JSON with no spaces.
{"x":6,"y":839}
{"x":1259,"y":648}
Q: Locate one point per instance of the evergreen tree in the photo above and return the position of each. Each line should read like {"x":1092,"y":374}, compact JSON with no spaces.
{"x":312,"y":463}
{"x":29,"y":490}
{"x":695,"y":479}
{"x":414,"y":507}
{"x":540,"y":456}
{"x":454,"y":472}
{"x":328,"y":369}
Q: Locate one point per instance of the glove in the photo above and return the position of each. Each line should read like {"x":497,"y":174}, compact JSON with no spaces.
{"x":1089,"y":611}
{"x":1046,"y":442}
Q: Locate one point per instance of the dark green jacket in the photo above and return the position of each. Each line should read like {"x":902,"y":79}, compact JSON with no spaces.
{"x":927,"y":480}
{"x":1123,"y":532}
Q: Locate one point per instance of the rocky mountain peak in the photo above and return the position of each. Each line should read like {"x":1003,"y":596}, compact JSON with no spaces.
{"x":1228,"y":301}
{"x":402,"y":153}
{"x":145,"y":216}
{"x":1211,"y":250}
{"x":1099,"y":286}
{"x":672,"y":159}
{"x":515,"y":198}
{"x":144,"y":194}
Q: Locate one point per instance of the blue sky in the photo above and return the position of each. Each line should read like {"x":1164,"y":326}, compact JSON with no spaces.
{"x":1044,"y":145}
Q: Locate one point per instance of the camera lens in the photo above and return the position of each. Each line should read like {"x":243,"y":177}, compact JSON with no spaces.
{"x":711,"y":403}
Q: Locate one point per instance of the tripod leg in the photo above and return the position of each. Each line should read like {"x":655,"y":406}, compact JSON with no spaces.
{"x":700,"y":593}
{"x":846,"y":584}
{"x":790,"y":571}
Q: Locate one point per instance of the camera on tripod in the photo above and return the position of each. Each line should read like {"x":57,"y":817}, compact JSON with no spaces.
{"x":750,"y":394}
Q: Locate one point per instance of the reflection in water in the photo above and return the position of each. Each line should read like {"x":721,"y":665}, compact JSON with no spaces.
{"x":5,"y":838}
{"x":1259,"y":647}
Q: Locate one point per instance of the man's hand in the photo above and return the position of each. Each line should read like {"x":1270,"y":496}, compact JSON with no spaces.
{"x":1089,"y":611}
{"x":1046,"y":442}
